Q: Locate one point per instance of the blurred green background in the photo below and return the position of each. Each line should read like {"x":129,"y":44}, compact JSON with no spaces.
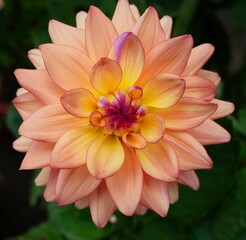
{"x":216,"y":211}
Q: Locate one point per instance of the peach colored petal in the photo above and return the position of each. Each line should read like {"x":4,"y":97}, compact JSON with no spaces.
{"x":187,"y":113}
{"x":152,"y":127}
{"x":22,"y":144}
{"x":101,"y":205}
{"x":80,"y":19}
{"x":134,"y":140}
{"x":224,"y":108}
{"x":26,"y":104}
{"x":173,"y":192}
{"x":129,"y":52}
{"x":141,"y":210}
{"x":49,"y":193}
{"x":36,"y":58}
{"x":38,"y":155}
{"x":82,"y":203}
{"x":163,"y":90}
{"x":190,"y":179}
{"x":70,"y":150}
{"x":159,"y":160}
{"x":167,"y":24}
{"x":191,"y":154}
{"x":209,"y":132}
{"x":43,"y":176}
{"x":213,"y":76}
{"x":49,"y":123}
{"x":105,"y":156}
{"x":79,"y":102}
{"x":21,"y":91}
{"x":155,"y":195}
{"x":123,"y":18}
{"x":169,"y":56}
{"x":64,"y":34}
{"x":125,"y":186}
{"x":135,"y":11}
{"x":98,"y":26}
{"x":74,"y":184}
{"x":67,"y":66}
{"x":198,"y":57}
{"x":197,"y":87}
{"x":148,"y":29}
{"x":39,"y":83}
{"x":106,"y":76}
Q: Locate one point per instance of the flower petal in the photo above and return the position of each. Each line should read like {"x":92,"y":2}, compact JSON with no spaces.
{"x":187,"y":113}
{"x":70,"y":150}
{"x":80,"y":19}
{"x":100,"y":34}
{"x":134,"y":140}
{"x":79,"y":102}
{"x":125,"y":186}
{"x":123,"y":18}
{"x":141,"y":210}
{"x":36,"y":58}
{"x":163,"y":91}
{"x":39,"y":83}
{"x":64,"y":34}
{"x":101,"y":205}
{"x":82,"y":203}
{"x":213,"y":76}
{"x":173,"y":192}
{"x":190,"y":179}
{"x":43,"y":177}
{"x":155,"y":195}
{"x":169,"y":56}
{"x":198,"y":57}
{"x":167,"y":24}
{"x":152,"y":127}
{"x":106,"y":76}
{"x":74,"y":184}
{"x":105,"y":156}
{"x":37,"y":156}
{"x":224,"y":108}
{"x":67,"y":66}
{"x":49,"y":123}
{"x":191,"y":154}
{"x":22,"y":144}
{"x":198,"y":87}
{"x":50,"y":190}
{"x":135,"y":11}
{"x":159,"y":160}
{"x":209,"y":132}
{"x":149,"y":30}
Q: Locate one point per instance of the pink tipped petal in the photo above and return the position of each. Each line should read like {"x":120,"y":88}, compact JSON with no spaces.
{"x":213,"y":76}
{"x":101,"y":205}
{"x":224,"y":108}
{"x":38,"y":155}
{"x":198,"y":87}
{"x":26,"y":104}
{"x":21,"y":91}
{"x":188,"y":113}
{"x":152,"y":127}
{"x":39,"y":83}
{"x":43,"y":177}
{"x":135,"y":11}
{"x":80,"y":19}
{"x":70,"y":150}
{"x":141,"y":210}
{"x":22,"y":144}
{"x":82,"y":203}
{"x":148,"y":29}
{"x":173,"y":192}
{"x":105,"y":156}
{"x":49,"y":123}
{"x":163,"y":91}
{"x":210,"y":132}
{"x":67,"y":66}
{"x":134,"y":140}
{"x":79,"y":102}
{"x":123,"y":18}
{"x":167,"y":24}
{"x":74,"y":184}
{"x":155,"y":195}
{"x":190,"y":179}
{"x":64,"y":34}
{"x":199,"y":56}
{"x":98,"y":26}
{"x":169,"y":56}
{"x":36,"y":58}
{"x":106,"y":76}
{"x":50,"y":190}
{"x":191,"y":154}
{"x":125,"y":186}
{"x":159,"y":161}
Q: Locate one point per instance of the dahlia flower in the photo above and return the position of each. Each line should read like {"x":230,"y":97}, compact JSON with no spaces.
{"x":116,"y":112}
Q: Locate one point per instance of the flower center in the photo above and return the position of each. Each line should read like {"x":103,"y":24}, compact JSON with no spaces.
{"x":119,"y":112}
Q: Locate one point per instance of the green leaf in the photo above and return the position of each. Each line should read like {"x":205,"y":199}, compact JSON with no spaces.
{"x":239,"y":124}
{"x":13,"y":120}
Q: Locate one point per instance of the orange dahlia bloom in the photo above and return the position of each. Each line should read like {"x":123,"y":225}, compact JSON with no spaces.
{"x":117,"y":112}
